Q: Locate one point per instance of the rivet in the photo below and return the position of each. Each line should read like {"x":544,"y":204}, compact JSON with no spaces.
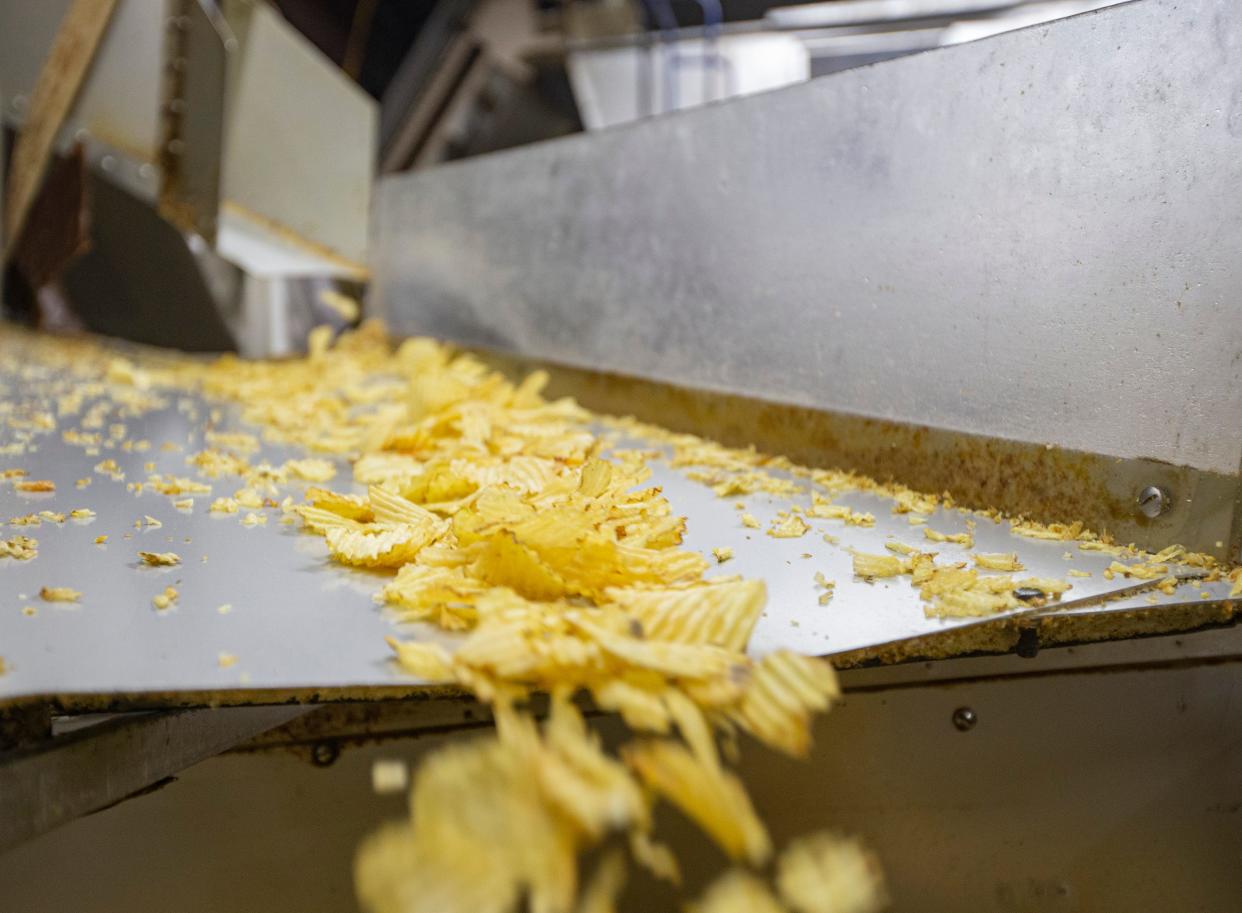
{"x":324,"y":754}
{"x":1153,"y":501}
{"x":964,"y":719}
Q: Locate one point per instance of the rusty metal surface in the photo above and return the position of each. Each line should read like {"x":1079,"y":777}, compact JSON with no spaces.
{"x":1046,"y":483}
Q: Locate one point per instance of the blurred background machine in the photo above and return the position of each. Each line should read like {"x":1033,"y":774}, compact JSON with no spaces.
{"x":1008,"y":270}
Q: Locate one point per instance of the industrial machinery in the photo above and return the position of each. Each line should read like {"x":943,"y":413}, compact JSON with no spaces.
{"x":1006,"y":270}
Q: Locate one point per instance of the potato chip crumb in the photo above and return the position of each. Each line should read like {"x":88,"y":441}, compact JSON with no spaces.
{"x":389,"y":776}
{"x":829,"y":587}
{"x":998,"y":561}
{"x":225,"y":608}
{"x":870,"y":567}
{"x":82,"y":483}
{"x":29,"y":611}
{"x":225,"y":660}
{"x":151,"y":522}
{"x":1074,"y":572}
{"x":35,"y":485}
{"x":160,"y":559}
{"x":311,"y":470}
{"x":59,"y":594}
{"x":23,"y":548}
{"x":965,"y":539}
{"x":224,"y":506}
{"x":82,"y":513}
{"x":248,"y":497}
{"x":749,"y":521}
{"x":254,"y":518}
{"x":163,"y":600}
{"x":791,"y":527}
{"x":722,"y":553}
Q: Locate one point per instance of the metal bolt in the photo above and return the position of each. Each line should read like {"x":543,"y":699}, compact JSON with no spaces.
{"x":964,"y":719}
{"x":1153,"y":501}
{"x":324,"y":754}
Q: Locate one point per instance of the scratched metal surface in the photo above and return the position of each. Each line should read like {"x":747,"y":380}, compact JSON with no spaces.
{"x":299,"y":623}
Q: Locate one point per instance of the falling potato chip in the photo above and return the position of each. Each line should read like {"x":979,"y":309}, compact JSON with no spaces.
{"x":713,"y":798}
{"x":389,"y":776}
{"x":344,"y":306}
{"x":828,"y":873}
{"x":737,"y":891}
{"x":35,"y":485}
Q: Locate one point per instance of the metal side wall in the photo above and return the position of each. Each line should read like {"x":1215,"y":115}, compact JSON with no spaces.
{"x":1032,"y":237}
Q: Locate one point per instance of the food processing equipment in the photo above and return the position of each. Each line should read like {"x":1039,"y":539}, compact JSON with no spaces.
{"x":1007,"y":270}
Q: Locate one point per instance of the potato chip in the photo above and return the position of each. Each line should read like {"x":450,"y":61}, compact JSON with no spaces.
{"x":22,"y":548}
{"x":785,"y":689}
{"x":721,"y":612}
{"x":1004,"y":561}
{"x":380,"y":545}
{"x":713,"y":798}
{"x":827,"y":873}
{"x":160,"y":559}
{"x":737,"y":892}
{"x":59,"y":594}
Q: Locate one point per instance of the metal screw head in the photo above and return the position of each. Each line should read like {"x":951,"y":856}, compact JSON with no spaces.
{"x":1153,"y":501}
{"x":964,"y":719}
{"x":323,"y":754}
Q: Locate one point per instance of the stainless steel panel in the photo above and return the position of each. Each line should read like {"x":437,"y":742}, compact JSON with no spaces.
{"x":1032,"y":237}
{"x":299,"y":155}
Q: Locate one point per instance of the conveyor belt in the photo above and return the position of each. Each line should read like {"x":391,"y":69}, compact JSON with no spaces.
{"x":301,"y":627}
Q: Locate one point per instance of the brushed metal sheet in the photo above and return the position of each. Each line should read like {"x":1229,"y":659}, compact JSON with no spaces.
{"x":1031,"y":237}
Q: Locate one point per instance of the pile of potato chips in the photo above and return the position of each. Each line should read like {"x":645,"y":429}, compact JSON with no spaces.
{"x":500,"y":515}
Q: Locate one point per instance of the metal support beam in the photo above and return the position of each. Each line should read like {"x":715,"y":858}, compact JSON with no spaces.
{"x":47,"y":785}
